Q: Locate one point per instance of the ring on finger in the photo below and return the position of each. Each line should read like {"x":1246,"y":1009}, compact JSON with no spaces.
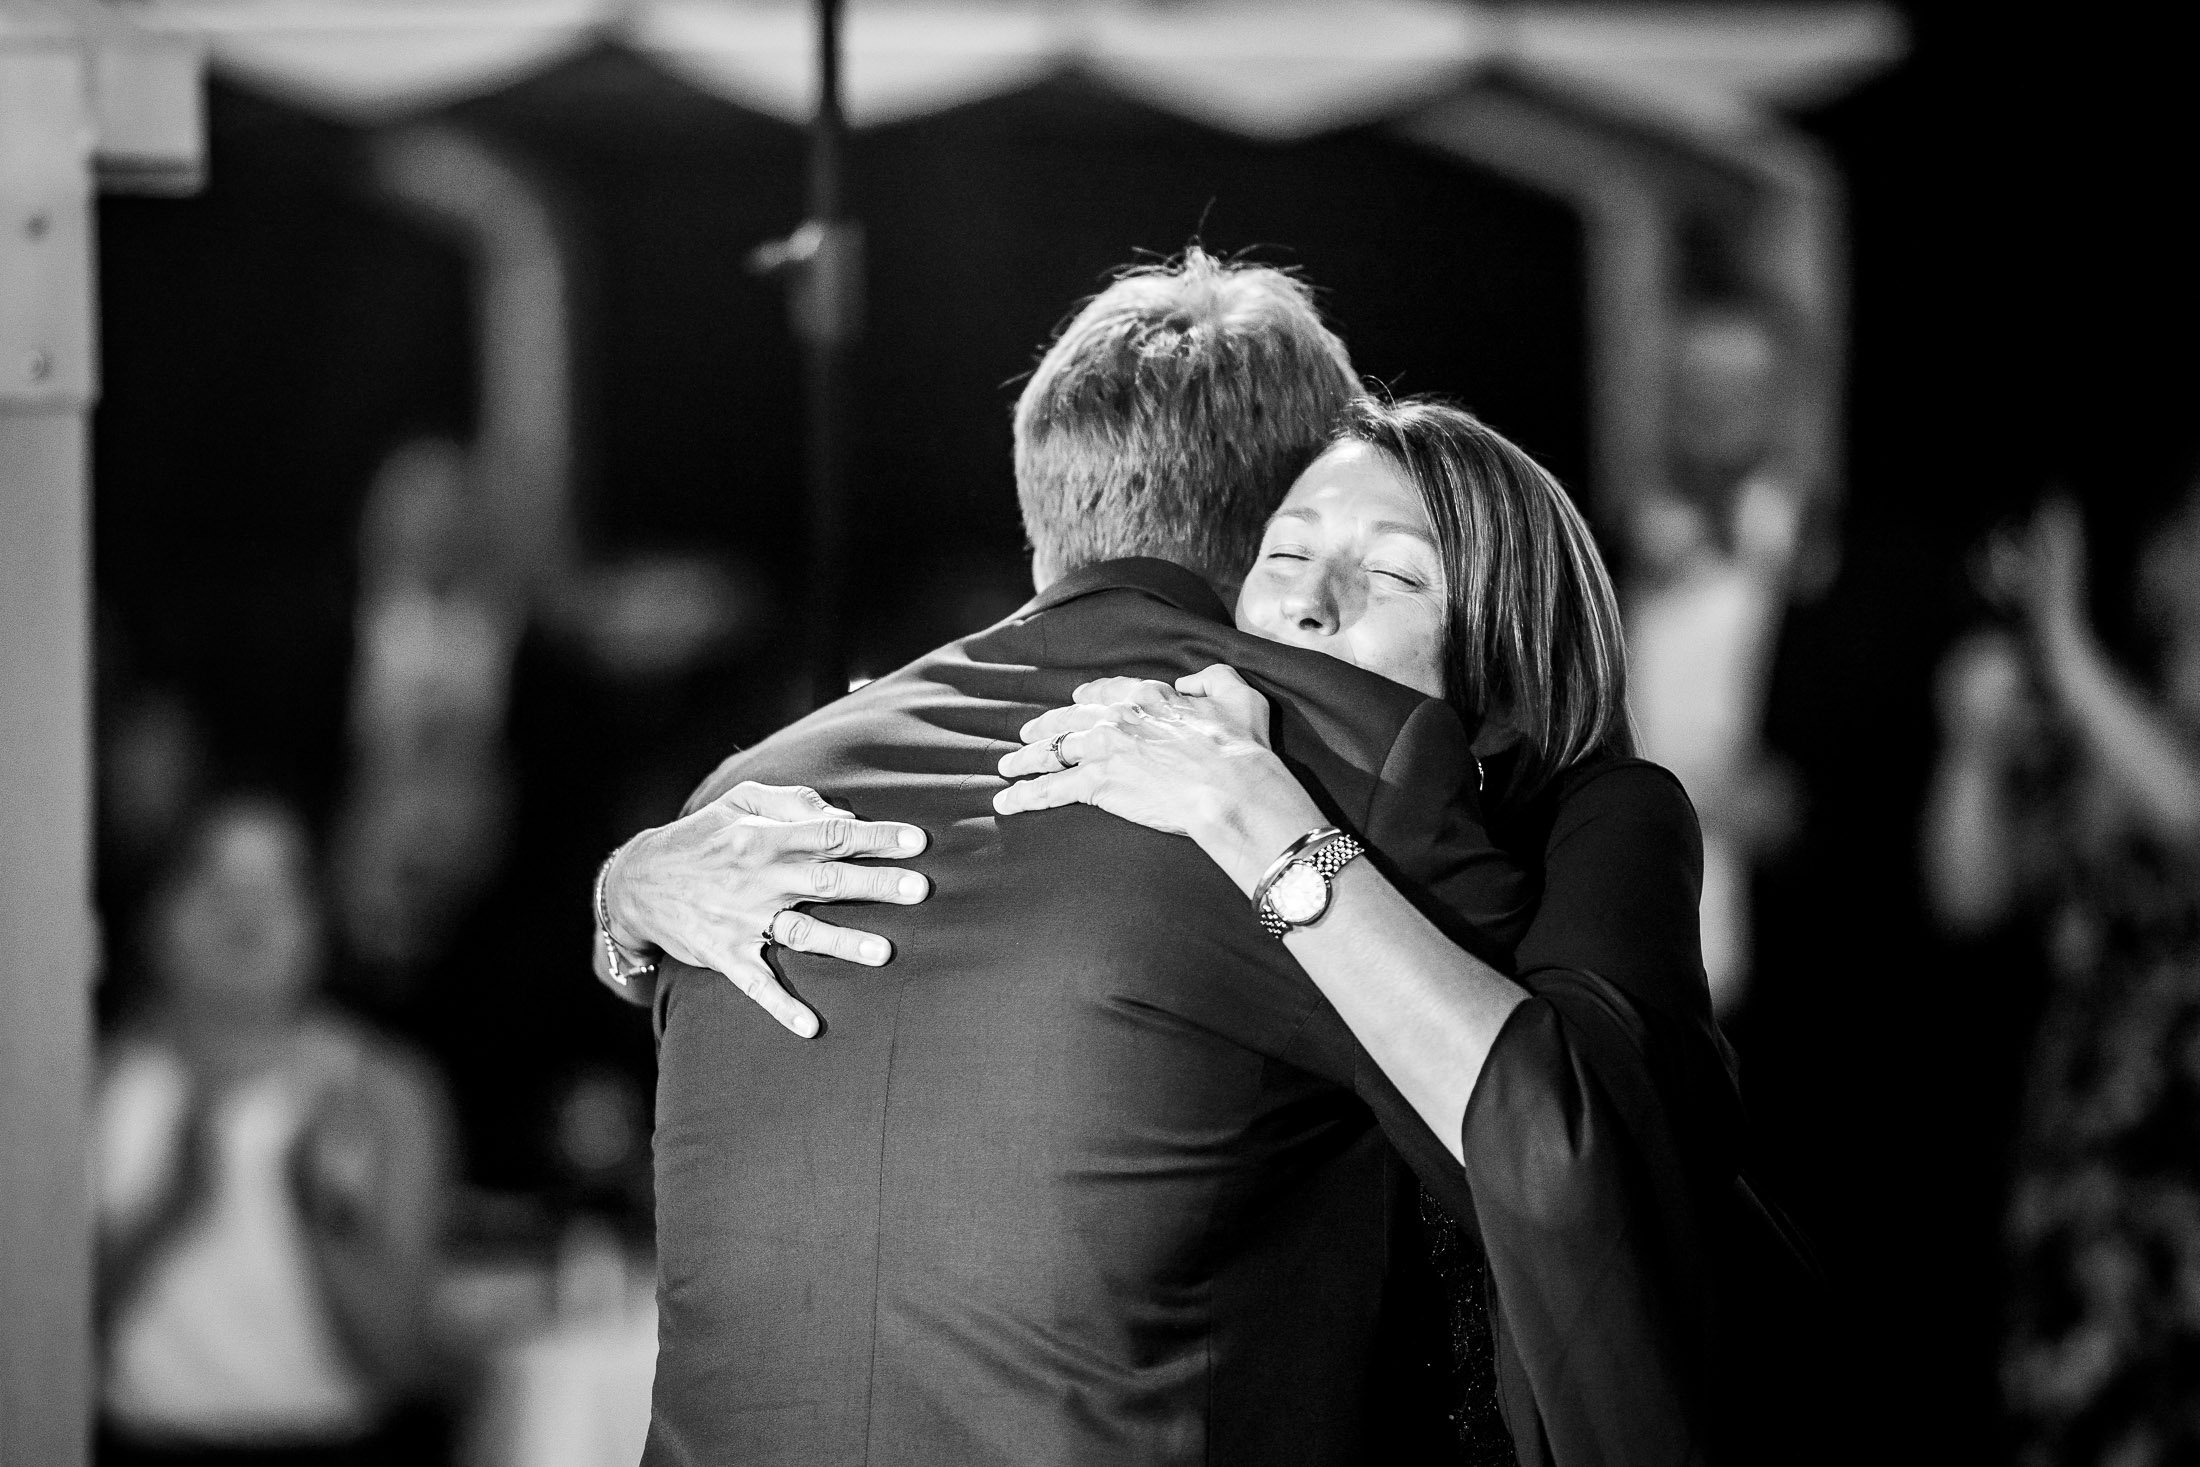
{"x":770,"y":923}
{"x":1055,"y":749}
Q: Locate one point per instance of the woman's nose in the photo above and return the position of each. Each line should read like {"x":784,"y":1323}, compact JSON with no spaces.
{"x":1312,"y":606}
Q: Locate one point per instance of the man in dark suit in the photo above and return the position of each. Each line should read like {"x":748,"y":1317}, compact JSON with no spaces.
{"x":1090,"y":1173}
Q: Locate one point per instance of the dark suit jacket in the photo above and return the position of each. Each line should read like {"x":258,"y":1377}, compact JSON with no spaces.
{"x":1090,"y":1172}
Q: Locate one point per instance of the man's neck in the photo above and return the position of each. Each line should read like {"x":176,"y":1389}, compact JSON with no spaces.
{"x":1044,"y":573}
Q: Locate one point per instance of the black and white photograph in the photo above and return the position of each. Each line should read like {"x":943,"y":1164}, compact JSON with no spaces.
{"x":1098,"y":733}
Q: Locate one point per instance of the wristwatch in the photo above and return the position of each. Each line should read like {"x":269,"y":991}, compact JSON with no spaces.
{"x":1296,"y":890}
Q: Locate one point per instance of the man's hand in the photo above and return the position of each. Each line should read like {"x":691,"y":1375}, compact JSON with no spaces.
{"x":707,"y":887}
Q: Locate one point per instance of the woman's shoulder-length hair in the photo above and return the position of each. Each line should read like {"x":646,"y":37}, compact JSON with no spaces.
{"x":1532,"y":631}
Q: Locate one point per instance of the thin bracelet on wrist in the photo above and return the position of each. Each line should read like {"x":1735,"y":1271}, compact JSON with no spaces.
{"x":635,"y":964}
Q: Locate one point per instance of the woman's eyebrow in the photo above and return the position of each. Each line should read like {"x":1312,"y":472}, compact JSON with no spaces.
{"x":1400,"y":527}
{"x":1379,"y":527}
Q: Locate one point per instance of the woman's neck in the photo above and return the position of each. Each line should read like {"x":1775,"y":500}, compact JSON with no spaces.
{"x":229,"y":1038}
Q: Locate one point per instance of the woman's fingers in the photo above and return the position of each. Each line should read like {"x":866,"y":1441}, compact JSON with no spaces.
{"x":1214,"y":681}
{"x":1069,"y":747}
{"x":1048,"y":752}
{"x":1067,"y":787}
{"x":1244,"y":707}
{"x":1040,"y":757}
{"x":1155,"y":700}
{"x":1140,"y":690}
{"x":807,"y":934}
{"x":1066,"y":720}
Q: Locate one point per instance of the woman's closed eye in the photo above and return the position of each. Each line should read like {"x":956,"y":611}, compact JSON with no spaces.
{"x":1401,"y":575}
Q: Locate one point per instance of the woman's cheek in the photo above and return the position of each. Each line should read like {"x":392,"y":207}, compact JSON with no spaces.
{"x":1255,"y":607}
{"x":1413,"y":650}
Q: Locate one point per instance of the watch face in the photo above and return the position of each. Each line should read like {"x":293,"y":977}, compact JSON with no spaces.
{"x":1299,"y":894}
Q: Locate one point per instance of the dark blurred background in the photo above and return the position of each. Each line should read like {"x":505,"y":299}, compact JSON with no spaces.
{"x":2024,"y":312}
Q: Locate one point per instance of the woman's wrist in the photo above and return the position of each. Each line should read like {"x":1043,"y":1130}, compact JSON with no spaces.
{"x":1248,"y":824}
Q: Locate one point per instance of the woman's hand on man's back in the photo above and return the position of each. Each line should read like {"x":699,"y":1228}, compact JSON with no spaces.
{"x":1192,"y":759}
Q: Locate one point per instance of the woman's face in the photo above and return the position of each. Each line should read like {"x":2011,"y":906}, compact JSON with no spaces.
{"x":1349,"y":567}
{"x":240,"y":925}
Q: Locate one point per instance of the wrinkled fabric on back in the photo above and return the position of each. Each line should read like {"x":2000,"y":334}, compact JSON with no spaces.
{"x":1085,"y":1174}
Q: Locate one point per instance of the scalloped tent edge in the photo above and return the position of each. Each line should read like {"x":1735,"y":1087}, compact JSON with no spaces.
{"x":1276,"y":71}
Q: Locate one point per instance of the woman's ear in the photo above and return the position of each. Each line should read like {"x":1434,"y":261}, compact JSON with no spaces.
{"x":1494,"y":728}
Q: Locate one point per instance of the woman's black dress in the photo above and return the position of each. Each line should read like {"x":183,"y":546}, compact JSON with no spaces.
{"x":1612,"y":1267}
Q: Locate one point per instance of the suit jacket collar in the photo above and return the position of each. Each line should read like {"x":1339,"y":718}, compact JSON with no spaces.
{"x":1163,"y":580}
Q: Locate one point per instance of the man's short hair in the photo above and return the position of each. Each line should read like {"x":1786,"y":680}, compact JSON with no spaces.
{"x":1172,"y":413}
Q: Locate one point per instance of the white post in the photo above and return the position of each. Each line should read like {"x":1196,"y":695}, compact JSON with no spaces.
{"x":46,"y":374}
{"x":87,"y":99}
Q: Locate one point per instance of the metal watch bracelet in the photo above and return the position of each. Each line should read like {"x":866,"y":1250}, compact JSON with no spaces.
{"x":1332,"y":850}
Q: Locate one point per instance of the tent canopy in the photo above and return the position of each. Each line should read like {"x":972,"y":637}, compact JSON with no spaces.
{"x":1278,"y":71}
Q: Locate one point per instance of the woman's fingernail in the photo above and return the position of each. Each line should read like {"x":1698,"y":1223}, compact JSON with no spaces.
{"x":911,"y":885}
{"x":912,"y":839}
{"x":873,"y":949}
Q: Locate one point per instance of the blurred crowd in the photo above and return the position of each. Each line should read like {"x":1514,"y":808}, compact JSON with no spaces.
{"x":284,"y":1274}
{"x":372,"y":1155}
{"x":2064,"y":818}
{"x":271,"y":1175}
{"x":372,"y":1165}
{"x":371,"y":1162}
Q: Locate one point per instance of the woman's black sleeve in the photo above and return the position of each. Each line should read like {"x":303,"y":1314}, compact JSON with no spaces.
{"x":1623,"y":869}
{"x":1596,"y":1135}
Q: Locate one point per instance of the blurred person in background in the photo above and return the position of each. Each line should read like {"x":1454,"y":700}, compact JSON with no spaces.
{"x":424,"y":820}
{"x":628,"y":677}
{"x":153,"y":762}
{"x":2068,"y":794}
{"x":1712,"y":560}
{"x":268,"y":1180}
{"x":572,"y":1390}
